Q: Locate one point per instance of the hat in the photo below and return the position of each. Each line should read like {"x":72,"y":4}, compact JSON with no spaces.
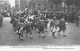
{"x":54,"y":17}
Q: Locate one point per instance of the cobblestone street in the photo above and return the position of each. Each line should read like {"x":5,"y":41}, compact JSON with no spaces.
{"x":8,"y":37}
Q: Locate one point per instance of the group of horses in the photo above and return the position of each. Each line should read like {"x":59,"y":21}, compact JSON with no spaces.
{"x":26,"y":25}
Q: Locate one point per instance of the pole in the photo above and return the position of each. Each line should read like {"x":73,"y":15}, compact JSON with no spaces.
{"x":64,"y":5}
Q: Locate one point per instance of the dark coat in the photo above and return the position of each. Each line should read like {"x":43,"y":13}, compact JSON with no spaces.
{"x":77,"y":18}
{"x":53,"y":23}
{"x":62,"y":24}
{"x":12,"y":20}
{"x":16,"y":24}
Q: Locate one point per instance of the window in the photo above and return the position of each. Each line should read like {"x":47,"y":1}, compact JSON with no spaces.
{"x":45,"y":0}
{"x":45,"y":6}
{"x":41,"y":0}
{"x":51,"y":6}
{"x":38,"y":6}
{"x":34,"y":5}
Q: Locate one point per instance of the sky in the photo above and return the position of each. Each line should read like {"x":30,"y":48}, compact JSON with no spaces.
{"x":12,"y":2}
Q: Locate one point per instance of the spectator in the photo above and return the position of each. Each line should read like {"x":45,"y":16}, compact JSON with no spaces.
{"x":77,"y":20}
{"x":1,"y":20}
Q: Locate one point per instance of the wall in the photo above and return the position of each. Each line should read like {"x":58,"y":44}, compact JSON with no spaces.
{"x":23,"y":4}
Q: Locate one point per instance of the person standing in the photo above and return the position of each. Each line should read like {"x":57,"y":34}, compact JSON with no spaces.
{"x":77,"y":20}
{"x":1,"y":20}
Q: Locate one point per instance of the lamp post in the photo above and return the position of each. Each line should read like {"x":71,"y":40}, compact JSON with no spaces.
{"x":63,"y":5}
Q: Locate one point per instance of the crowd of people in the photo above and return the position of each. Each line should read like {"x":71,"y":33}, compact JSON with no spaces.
{"x":27,"y":21}
{"x":72,"y":17}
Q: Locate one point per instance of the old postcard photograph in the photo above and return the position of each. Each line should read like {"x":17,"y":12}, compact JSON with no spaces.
{"x":46,"y":24}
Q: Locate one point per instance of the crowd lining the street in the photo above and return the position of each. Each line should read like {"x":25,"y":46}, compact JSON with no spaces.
{"x":27,"y":20}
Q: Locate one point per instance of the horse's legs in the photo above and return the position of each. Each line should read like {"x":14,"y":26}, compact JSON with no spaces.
{"x":64,"y":33}
{"x":32,"y":27}
{"x":35,"y":28}
{"x":42,"y":30}
{"x":26,"y":34}
{"x":59,"y":31}
{"x":22,"y":33}
{"x":20,"y":36}
{"x":43,"y":34}
{"x":53,"y":34}
{"x":31,"y":35}
{"x":39,"y":33}
{"x":46,"y":29}
{"x":19,"y":33}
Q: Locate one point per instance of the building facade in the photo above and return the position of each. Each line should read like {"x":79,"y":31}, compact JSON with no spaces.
{"x":23,"y":4}
{"x":17,"y":4}
{"x":43,"y":5}
{"x":37,"y":5}
{"x":4,"y":5}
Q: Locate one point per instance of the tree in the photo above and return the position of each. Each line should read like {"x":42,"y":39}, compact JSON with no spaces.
{"x":56,"y":2}
{"x":69,"y":3}
{"x":77,"y":3}
{"x":73,"y":2}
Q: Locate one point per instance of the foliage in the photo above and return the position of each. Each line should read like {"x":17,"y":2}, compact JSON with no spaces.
{"x":56,"y":1}
{"x":69,"y":2}
{"x":77,"y":3}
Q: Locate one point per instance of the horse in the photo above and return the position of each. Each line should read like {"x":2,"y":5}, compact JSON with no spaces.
{"x":46,"y":24}
{"x":12,"y":20}
{"x":15,"y":24}
{"x":25,"y":28}
{"x":19,"y":30}
{"x":62,"y":26}
{"x":41,"y":28}
{"x":35,"y":23}
{"x":54,"y":27}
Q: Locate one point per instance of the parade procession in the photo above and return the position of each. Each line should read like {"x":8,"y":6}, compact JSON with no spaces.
{"x":39,"y":24}
{"x":27,"y":23}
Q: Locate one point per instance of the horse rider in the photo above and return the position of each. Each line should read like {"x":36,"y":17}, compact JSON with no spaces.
{"x":62,"y":26}
{"x":53,"y":26}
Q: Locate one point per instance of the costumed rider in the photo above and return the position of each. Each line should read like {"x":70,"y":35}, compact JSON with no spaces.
{"x":53,"y":26}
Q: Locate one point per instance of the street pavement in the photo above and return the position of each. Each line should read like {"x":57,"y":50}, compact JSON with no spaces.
{"x":9,"y":38}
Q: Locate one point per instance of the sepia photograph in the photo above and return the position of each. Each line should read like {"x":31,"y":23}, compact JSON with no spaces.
{"x":40,"y":24}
